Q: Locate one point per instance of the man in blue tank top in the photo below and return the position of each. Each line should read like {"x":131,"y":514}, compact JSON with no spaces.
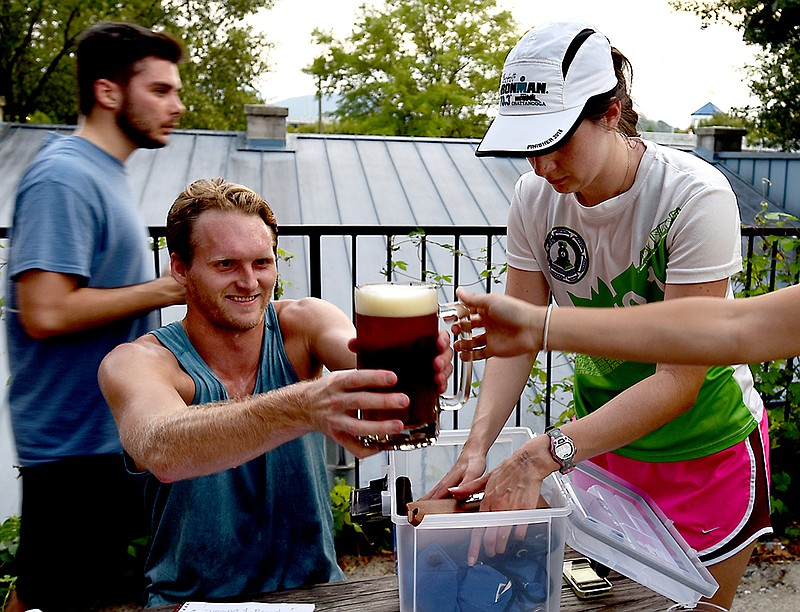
{"x":226,"y":409}
{"x":81,"y":282}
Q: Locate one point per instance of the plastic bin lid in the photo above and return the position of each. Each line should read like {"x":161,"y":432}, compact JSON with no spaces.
{"x":619,"y":526}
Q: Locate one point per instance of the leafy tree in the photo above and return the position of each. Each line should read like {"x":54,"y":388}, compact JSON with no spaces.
{"x":650,"y":125}
{"x":775,"y":78}
{"x":417,"y":67}
{"x":37,"y":63}
{"x":726,"y":119}
{"x":225,"y":59}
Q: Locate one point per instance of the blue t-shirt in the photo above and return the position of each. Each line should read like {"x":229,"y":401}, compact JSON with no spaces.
{"x":74,"y":215}
{"x":263,"y":526}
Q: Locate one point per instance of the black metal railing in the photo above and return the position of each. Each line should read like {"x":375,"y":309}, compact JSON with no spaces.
{"x":315,"y":233}
{"x":315,"y":264}
{"x":758,"y":244}
{"x":772,"y":261}
{"x":753,"y":239}
{"x":483,"y":269}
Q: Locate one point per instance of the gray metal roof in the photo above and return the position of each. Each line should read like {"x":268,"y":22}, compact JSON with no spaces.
{"x":315,"y":179}
{"x":322,"y":179}
{"x":332,"y":180}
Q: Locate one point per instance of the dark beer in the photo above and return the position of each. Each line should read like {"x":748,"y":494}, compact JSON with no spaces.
{"x":398,"y":328}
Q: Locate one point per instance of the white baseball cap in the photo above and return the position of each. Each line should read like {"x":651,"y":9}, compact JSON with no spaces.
{"x":547,"y":79}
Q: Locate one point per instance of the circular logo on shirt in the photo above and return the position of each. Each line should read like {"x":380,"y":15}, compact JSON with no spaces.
{"x":566,"y":255}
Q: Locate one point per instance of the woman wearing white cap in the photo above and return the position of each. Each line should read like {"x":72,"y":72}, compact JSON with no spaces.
{"x":608,"y":220}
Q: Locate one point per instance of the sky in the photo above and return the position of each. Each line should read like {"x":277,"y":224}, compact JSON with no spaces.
{"x":678,"y":67}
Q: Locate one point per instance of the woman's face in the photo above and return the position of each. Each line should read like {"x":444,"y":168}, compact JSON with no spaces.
{"x":584,"y":165}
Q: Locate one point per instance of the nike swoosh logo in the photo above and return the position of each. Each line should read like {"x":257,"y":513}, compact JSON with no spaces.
{"x":707,"y":531}
{"x":501,"y":589}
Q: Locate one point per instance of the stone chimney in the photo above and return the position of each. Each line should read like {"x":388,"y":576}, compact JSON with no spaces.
{"x":266,"y":126}
{"x":718,"y":138}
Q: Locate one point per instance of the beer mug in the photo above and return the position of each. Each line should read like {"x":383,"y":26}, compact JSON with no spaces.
{"x":397,"y":327}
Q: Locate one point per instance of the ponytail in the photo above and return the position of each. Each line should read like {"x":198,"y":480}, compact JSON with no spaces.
{"x":597,"y":106}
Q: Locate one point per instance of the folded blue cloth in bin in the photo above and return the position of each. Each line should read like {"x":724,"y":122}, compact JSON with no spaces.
{"x":437,"y":581}
{"x":481,"y":588}
{"x":515,"y":580}
{"x":525,"y":564}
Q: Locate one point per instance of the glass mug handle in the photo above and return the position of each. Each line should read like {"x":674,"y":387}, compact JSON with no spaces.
{"x":450,"y":313}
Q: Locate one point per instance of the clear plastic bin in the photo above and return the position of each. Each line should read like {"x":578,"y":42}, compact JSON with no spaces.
{"x":432,"y":557}
{"x":591,"y":510}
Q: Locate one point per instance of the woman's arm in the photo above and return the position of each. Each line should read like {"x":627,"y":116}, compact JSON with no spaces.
{"x":640,"y":409}
{"x":501,"y":386}
{"x":692,"y":330}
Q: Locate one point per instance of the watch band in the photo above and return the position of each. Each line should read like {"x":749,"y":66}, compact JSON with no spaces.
{"x":562,"y":449}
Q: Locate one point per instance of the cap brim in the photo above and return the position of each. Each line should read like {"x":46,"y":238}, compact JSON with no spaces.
{"x":531,"y":135}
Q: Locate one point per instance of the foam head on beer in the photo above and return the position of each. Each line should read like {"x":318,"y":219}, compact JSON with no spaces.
{"x":396,"y":301}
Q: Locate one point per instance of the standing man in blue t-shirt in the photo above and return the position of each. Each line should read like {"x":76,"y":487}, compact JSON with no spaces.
{"x":81,"y":282}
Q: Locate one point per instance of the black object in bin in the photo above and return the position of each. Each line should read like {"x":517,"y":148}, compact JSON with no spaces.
{"x":366,"y":504}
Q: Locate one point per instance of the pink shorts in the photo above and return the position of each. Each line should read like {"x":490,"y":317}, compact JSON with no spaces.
{"x":719,"y":503}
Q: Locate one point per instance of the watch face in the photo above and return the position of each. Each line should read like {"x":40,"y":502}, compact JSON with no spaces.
{"x":564,"y":449}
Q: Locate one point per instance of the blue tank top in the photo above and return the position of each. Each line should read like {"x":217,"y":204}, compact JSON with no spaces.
{"x":263,"y":526}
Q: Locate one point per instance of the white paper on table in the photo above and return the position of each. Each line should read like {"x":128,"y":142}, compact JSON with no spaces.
{"x":199,"y":606}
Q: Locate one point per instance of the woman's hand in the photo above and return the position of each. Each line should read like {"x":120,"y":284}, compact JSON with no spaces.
{"x":511,"y":326}
{"x":469,"y":466}
{"x":515,"y":484}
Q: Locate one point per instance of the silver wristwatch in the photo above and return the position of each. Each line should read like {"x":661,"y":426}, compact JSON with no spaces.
{"x":562,"y":449}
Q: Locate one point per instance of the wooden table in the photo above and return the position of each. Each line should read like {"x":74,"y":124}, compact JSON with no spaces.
{"x":380,"y":595}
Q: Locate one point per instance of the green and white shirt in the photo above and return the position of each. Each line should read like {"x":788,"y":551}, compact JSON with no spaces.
{"x":678,"y":223}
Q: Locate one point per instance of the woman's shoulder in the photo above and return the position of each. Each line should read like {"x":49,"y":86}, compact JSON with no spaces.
{"x":678,"y":165}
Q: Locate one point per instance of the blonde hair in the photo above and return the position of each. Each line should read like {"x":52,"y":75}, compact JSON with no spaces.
{"x":212,"y":194}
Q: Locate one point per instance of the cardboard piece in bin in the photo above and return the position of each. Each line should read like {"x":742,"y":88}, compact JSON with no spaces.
{"x":621,"y":527}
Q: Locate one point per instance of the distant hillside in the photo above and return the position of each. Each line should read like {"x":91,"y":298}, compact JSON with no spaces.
{"x":303,"y":109}
{"x":648,"y":125}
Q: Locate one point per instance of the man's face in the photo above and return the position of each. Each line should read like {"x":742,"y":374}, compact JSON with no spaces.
{"x":233,"y":271}
{"x":152,"y":106}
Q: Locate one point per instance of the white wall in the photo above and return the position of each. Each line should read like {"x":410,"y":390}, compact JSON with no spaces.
{"x":10,"y":492}
{"x":9,"y":484}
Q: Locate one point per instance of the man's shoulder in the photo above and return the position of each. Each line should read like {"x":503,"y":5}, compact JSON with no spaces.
{"x":146,"y":351}
{"x":143,"y":347}
{"x":67,"y":161}
{"x":304,"y":310}
{"x":75,"y":151}
{"x":309,"y":317}
{"x":144,"y":359}
{"x":52,"y":160}
{"x":297,"y":313}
